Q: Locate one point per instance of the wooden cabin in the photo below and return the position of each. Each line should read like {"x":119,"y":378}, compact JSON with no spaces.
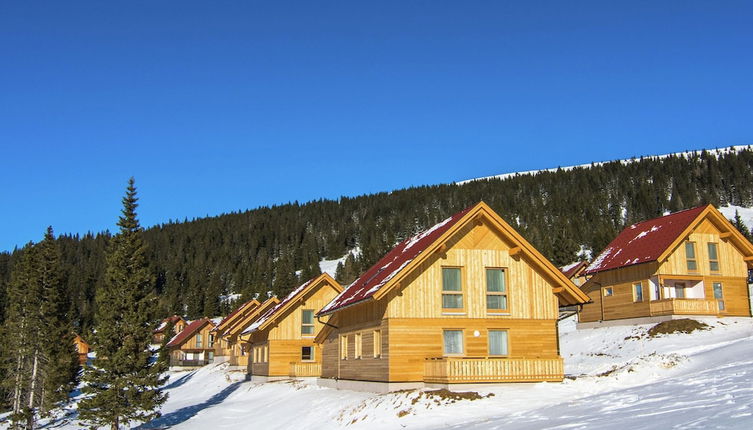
{"x":222,"y":349}
{"x":692,"y":262}
{"x":576,"y":272}
{"x":82,"y":348}
{"x":238,"y":351}
{"x":158,"y":336}
{"x":193,"y":346}
{"x":282,"y":340}
{"x":466,"y":301}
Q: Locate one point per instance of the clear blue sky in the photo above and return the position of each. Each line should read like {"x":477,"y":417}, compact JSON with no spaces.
{"x":221,"y":106}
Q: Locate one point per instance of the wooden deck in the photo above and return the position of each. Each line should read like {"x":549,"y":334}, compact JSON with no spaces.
{"x":684,"y":307}
{"x":305,"y":369}
{"x":448,"y":370}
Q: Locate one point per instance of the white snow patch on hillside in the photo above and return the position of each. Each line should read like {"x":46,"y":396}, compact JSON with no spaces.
{"x":618,"y":378}
{"x":330,"y":266}
{"x":746,"y":214}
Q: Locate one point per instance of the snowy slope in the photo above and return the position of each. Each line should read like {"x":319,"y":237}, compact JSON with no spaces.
{"x":621,"y":378}
{"x":717,"y":151}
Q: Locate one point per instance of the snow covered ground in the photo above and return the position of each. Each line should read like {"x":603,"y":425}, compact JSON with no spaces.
{"x":618,"y":378}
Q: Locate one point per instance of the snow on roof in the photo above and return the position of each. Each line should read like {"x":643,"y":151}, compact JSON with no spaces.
{"x":268,"y":314}
{"x":190,"y":329}
{"x":572,"y":269}
{"x":643,"y":242}
{"x":390,"y":265}
{"x":173,"y":319}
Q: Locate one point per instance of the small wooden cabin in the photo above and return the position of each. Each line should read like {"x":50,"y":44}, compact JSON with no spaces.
{"x":576,"y":272}
{"x":82,"y":348}
{"x":194,"y":345}
{"x":282,"y":340}
{"x":222,"y":348}
{"x":692,"y":262}
{"x":237,"y":350}
{"x":159,"y":333}
{"x":466,"y":301}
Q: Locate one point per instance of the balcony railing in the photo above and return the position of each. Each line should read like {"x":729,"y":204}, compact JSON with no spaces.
{"x":684,"y":307}
{"x":305,"y":369}
{"x":190,"y":363}
{"x":451,"y":370}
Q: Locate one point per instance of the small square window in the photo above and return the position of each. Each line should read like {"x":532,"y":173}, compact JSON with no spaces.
{"x":607,"y":291}
{"x":307,"y":353}
{"x":453,"y":342}
{"x":498,"y":342}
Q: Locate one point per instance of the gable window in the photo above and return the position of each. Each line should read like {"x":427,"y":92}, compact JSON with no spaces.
{"x":307,"y":353}
{"x":637,"y":292}
{"x":344,"y":347}
{"x":718,"y":294}
{"x":713,"y":257}
{"x":498,"y":342}
{"x":452,"y":292}
{"x":307,"y":322}
{"x":453,"y":342}
{"x":607,"y":291}
{"x":690,"y":256}
{"x":198,"y":340}
{"x":377,"y":343}
{"x":496,"y":290}
{"x":358,"y":346}
{"x":211,"y":340}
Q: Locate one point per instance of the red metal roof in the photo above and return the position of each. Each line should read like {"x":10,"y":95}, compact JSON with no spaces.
{"x":390,"y":265}
{"x":163,"y":325}
{"x":643,"y":242}
{"x":572,"y":269}
{"x":187,"y":332}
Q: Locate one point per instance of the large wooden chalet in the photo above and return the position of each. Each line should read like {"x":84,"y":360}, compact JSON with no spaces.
{"x":282,"y":340}
{"x":692,"y":262}
{"x":236,"y":352}
{"x":223,"y":348}
{"x":466,"y":301}
{"x":193,"y":346}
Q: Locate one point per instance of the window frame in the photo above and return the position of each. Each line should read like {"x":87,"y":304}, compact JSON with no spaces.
{"x":199,"y":340}
{"x":489,"y":344}
{"x":714,"y":260}
{"x":312,"y":354}
{"x":462,"y":342}
{"x":454,"y":293}
{"x":504,"y":293}
{"x":377,"y":343}
{"x":690,"y":245}
{"x":637,"y":292}
{"x":343,"y":347}
{"x":607,"y":291}
{"x":357,"y":346}
{"x":306,"y":325}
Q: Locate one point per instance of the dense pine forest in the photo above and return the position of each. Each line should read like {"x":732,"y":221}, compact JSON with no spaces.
{"x":196,"y":262}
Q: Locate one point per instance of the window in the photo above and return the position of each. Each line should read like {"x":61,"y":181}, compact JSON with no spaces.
{"x":496,"y":290}
{"x":690,"y":256}
{"x":307,"y":353}
{"x":713,"y":257}
{"x":307,"y":321}
{"x":358,"y":346}
{"x":607,"y":291}
{"x":718,"y":294}
{"x":452,"y":293}
{"x":453,"y":342}
{"x":637,"y":292}
{"x":210,"y":355}
{"x":256,"y":355}
{"x":657,"y":292}
{"x":211,"y":340}
{"x":243,"y":351}
{"x":344,"y":347}
{"x":680,"y":290}
{"x":498,"y":342}
{"x":265,"y":352}
{"x":198,"y":340}
{"x":377,"y":343}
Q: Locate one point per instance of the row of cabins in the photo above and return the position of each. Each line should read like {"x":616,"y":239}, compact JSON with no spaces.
{"x":471,"y":301}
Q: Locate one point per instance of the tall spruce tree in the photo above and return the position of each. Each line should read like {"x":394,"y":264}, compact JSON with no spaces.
{"x":125,"y":382}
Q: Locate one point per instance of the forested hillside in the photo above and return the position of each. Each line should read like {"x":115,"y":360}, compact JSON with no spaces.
{"x":260,"y":250}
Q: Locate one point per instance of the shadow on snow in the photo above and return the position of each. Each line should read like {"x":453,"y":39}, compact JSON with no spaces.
{"x":184,"y":414}
{"x":180,"y":381}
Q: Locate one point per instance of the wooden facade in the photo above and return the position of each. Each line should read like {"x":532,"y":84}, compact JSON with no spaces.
{"x":684,"y":280}
{"x":229,"y":343}
{"x":158,"y":336}
{"x":194,"y":346}
{"x":403,"y":333}
{"x":223,"y":346}
{"x":281,"y":342}
{"x":82,"y":348}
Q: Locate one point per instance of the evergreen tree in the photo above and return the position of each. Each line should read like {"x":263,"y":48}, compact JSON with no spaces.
{"x":741,"y":227}
{"x":125,"y":382}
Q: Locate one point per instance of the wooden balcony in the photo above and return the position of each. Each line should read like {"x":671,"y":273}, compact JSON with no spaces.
{"x":465,"y":370}
{"x":684,"y":307}
{"x":305,"y":369}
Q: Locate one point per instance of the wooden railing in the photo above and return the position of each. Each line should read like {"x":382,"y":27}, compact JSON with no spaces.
{"x":449,"y":370}
{"x":684,"y":307}
{"x":305,"y":369}
{"x":189,"y":363}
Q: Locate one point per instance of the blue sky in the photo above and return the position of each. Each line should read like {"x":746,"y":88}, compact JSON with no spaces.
{"x":222,"y":106}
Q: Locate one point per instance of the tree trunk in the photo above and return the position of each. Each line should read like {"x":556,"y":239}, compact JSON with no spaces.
{"x":34,"y":376}
{"x":115,"y":425}
{"x":17,"y":389}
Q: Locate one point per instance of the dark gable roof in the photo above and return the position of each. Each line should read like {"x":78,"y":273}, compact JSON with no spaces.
{"x":188,"y":331}
{"x":390,"y":265}
{"x":644,"y":242}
